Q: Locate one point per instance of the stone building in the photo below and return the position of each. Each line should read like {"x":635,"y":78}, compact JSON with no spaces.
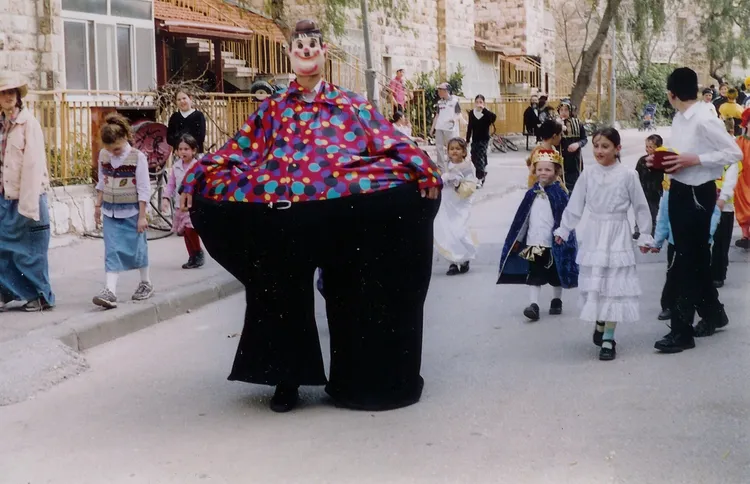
{"x":31,"y":41}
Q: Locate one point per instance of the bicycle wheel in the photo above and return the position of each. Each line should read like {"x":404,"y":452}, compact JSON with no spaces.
{"x":511,"y":145}
{"x":499,"y":145}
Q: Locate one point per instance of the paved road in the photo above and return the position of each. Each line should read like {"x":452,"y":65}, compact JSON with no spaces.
{"x":505,"y":401}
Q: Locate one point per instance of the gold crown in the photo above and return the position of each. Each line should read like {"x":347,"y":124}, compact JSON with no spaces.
{"x":547,"y":155}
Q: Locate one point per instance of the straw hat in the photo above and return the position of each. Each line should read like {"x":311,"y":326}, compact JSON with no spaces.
{"x":10,"y":81}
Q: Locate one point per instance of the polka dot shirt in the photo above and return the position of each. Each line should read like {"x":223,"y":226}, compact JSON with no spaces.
{"x":291,"y":150}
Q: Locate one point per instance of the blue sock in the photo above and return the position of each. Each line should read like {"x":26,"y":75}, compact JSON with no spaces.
{"x":609,"y":334}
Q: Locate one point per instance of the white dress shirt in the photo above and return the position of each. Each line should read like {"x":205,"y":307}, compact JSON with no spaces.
{"x":541,"y":223}
{"x":698,"y":132}
{"x":727,"y":187}
{"x":142,"y":182}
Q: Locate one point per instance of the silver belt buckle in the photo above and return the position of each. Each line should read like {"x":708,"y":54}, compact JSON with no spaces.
{"x":281,"y":205}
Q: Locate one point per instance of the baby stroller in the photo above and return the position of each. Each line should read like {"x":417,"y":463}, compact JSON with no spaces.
{"x":648,"y":118}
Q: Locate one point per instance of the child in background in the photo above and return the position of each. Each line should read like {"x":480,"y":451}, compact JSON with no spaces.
{"x":664,"y":232}
{"x":530,"y":255}
{"x":122,"y":194}
{"x":609,"y":285}
{"x":453,"y":239}
{"x":187,"y":149}
{"x":481,"y":121}
{"x":731,"y":112}
{"x":651,"y":180}
{"x":723,"y":239}
{"x":550,"y":132}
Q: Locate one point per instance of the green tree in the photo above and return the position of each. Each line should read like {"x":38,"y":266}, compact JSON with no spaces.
{"x":644,"y":13}
{"x":725,"y":26}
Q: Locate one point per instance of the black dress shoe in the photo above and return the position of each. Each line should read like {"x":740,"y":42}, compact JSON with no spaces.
{"x":608,"y":354}
{"x":555,"y":307}
{"x":718,"y":284}
{"x":665,"y":315}
{"x":704,"y":329}
{"x":673,"y":343}
{"x":743,"y":243}
{"x":285,"y":398}
{"x":453,"y":270}
{"x":532,"y":312}
{"x":464,"y":268}
{"x":598,"y":335}
{"x":190,"y":264}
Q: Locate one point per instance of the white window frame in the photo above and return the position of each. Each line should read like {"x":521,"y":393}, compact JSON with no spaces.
{"x":89,"y":25}
{"x":114,"y":22}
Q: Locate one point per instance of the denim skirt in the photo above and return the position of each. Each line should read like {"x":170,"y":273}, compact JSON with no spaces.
{"x":124,"y":248}
{"x":24,"y":244}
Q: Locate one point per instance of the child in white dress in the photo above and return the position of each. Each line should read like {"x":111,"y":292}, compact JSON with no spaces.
{"x":453,"y":239}
{"x":608,"y":283}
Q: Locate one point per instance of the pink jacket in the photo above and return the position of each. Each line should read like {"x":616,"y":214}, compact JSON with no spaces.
{"x":25,"y":175}
{"x":176,"y":176}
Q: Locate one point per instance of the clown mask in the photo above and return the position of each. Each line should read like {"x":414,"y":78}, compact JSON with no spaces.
{"x":307,"y":55}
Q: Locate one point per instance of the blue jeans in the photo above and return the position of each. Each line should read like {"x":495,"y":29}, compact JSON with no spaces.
{"x":24,"y":243}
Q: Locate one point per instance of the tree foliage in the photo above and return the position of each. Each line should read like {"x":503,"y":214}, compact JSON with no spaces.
{"x":428,"y":81}
{"x":599,"y":16}
{"x":725,"y":26}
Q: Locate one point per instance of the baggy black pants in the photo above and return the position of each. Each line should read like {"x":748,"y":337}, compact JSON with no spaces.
{"x":668,"y":294}
{"x":690,"y":210}
{"x":376,"y":253}
{"x":722,"y":243}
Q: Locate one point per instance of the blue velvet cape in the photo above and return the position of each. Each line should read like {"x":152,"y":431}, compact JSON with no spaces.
{"x":514,"y":268}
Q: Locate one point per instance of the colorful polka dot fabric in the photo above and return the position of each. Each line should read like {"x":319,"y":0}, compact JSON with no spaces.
{"x":291,"y":150}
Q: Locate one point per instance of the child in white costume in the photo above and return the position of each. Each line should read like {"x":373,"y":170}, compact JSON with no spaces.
{"x":453,"y":239}
{"x":608,"y":282}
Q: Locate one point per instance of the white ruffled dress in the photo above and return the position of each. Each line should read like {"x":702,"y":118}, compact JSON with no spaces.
{"x":453,"y":237}
{"x":608,"y":282}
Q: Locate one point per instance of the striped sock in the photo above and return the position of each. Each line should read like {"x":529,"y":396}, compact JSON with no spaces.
{"x":609,"y":334}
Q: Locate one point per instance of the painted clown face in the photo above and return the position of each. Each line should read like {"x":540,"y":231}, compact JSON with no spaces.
{"x":307,"y":55}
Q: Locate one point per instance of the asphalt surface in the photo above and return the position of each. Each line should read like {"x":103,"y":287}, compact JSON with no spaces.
{"x":505,"y":401}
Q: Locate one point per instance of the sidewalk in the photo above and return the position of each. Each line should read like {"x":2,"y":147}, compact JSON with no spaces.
{"x":77,"y":275}
{"x":38,"y":350}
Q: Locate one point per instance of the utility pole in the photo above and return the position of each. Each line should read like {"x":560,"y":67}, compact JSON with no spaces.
{"x":613,"y":79}
{"x":369,"y":71}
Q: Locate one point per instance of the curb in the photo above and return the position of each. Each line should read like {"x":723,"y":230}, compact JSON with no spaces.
{"x":85,"y":332}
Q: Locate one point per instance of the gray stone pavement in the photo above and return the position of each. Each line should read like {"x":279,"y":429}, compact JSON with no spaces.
{"x":505,"y":400}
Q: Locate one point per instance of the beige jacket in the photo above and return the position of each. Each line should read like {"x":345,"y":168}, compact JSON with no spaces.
{"x":25,"y":175}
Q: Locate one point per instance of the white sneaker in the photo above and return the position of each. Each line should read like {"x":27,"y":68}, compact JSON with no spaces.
{"x":105,"y":299}
{"x":145,"y":290}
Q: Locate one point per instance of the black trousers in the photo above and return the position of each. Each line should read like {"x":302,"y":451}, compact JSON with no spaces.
{"x":690,"y":210}
{"x":479,"y":157}
{"x":572,"y":166}
{"x":669,"y":293}
{"x":376,"y":253}
{"x":720,"y":250}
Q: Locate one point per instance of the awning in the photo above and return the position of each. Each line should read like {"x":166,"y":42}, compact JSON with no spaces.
{"x":521,"y":63}
{"x":215,"y":18}
{"x":484,"y":46}
{"x":203,"y":30}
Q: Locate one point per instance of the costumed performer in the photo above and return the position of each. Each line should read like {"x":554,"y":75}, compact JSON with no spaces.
{"x":317,"y":178}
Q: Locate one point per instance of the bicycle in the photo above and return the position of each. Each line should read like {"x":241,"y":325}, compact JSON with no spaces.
{"x":502,"y":144}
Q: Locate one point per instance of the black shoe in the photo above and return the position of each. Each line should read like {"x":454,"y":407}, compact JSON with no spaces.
{"x":723,"y":318}
{"x":532,"y":312}
{"x":673,"y":343}
{"x":284,"y":398}
{"x":200,"y":259}
{"x":464,"y":268}
{"x":743,"y":243}
{"x":636,"y":236}
{"x":665,"y":315}
{"x":718,"y":284}
{"x":453,"y":270}
{"x":190,"y":264}
{"x":555,"y":307}
{"x":607,"y":354}
{"x":598,"y":335}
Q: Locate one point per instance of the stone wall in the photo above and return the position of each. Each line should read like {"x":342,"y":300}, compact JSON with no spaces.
{"x":502,"y":22}
{"x":31,"y":41}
